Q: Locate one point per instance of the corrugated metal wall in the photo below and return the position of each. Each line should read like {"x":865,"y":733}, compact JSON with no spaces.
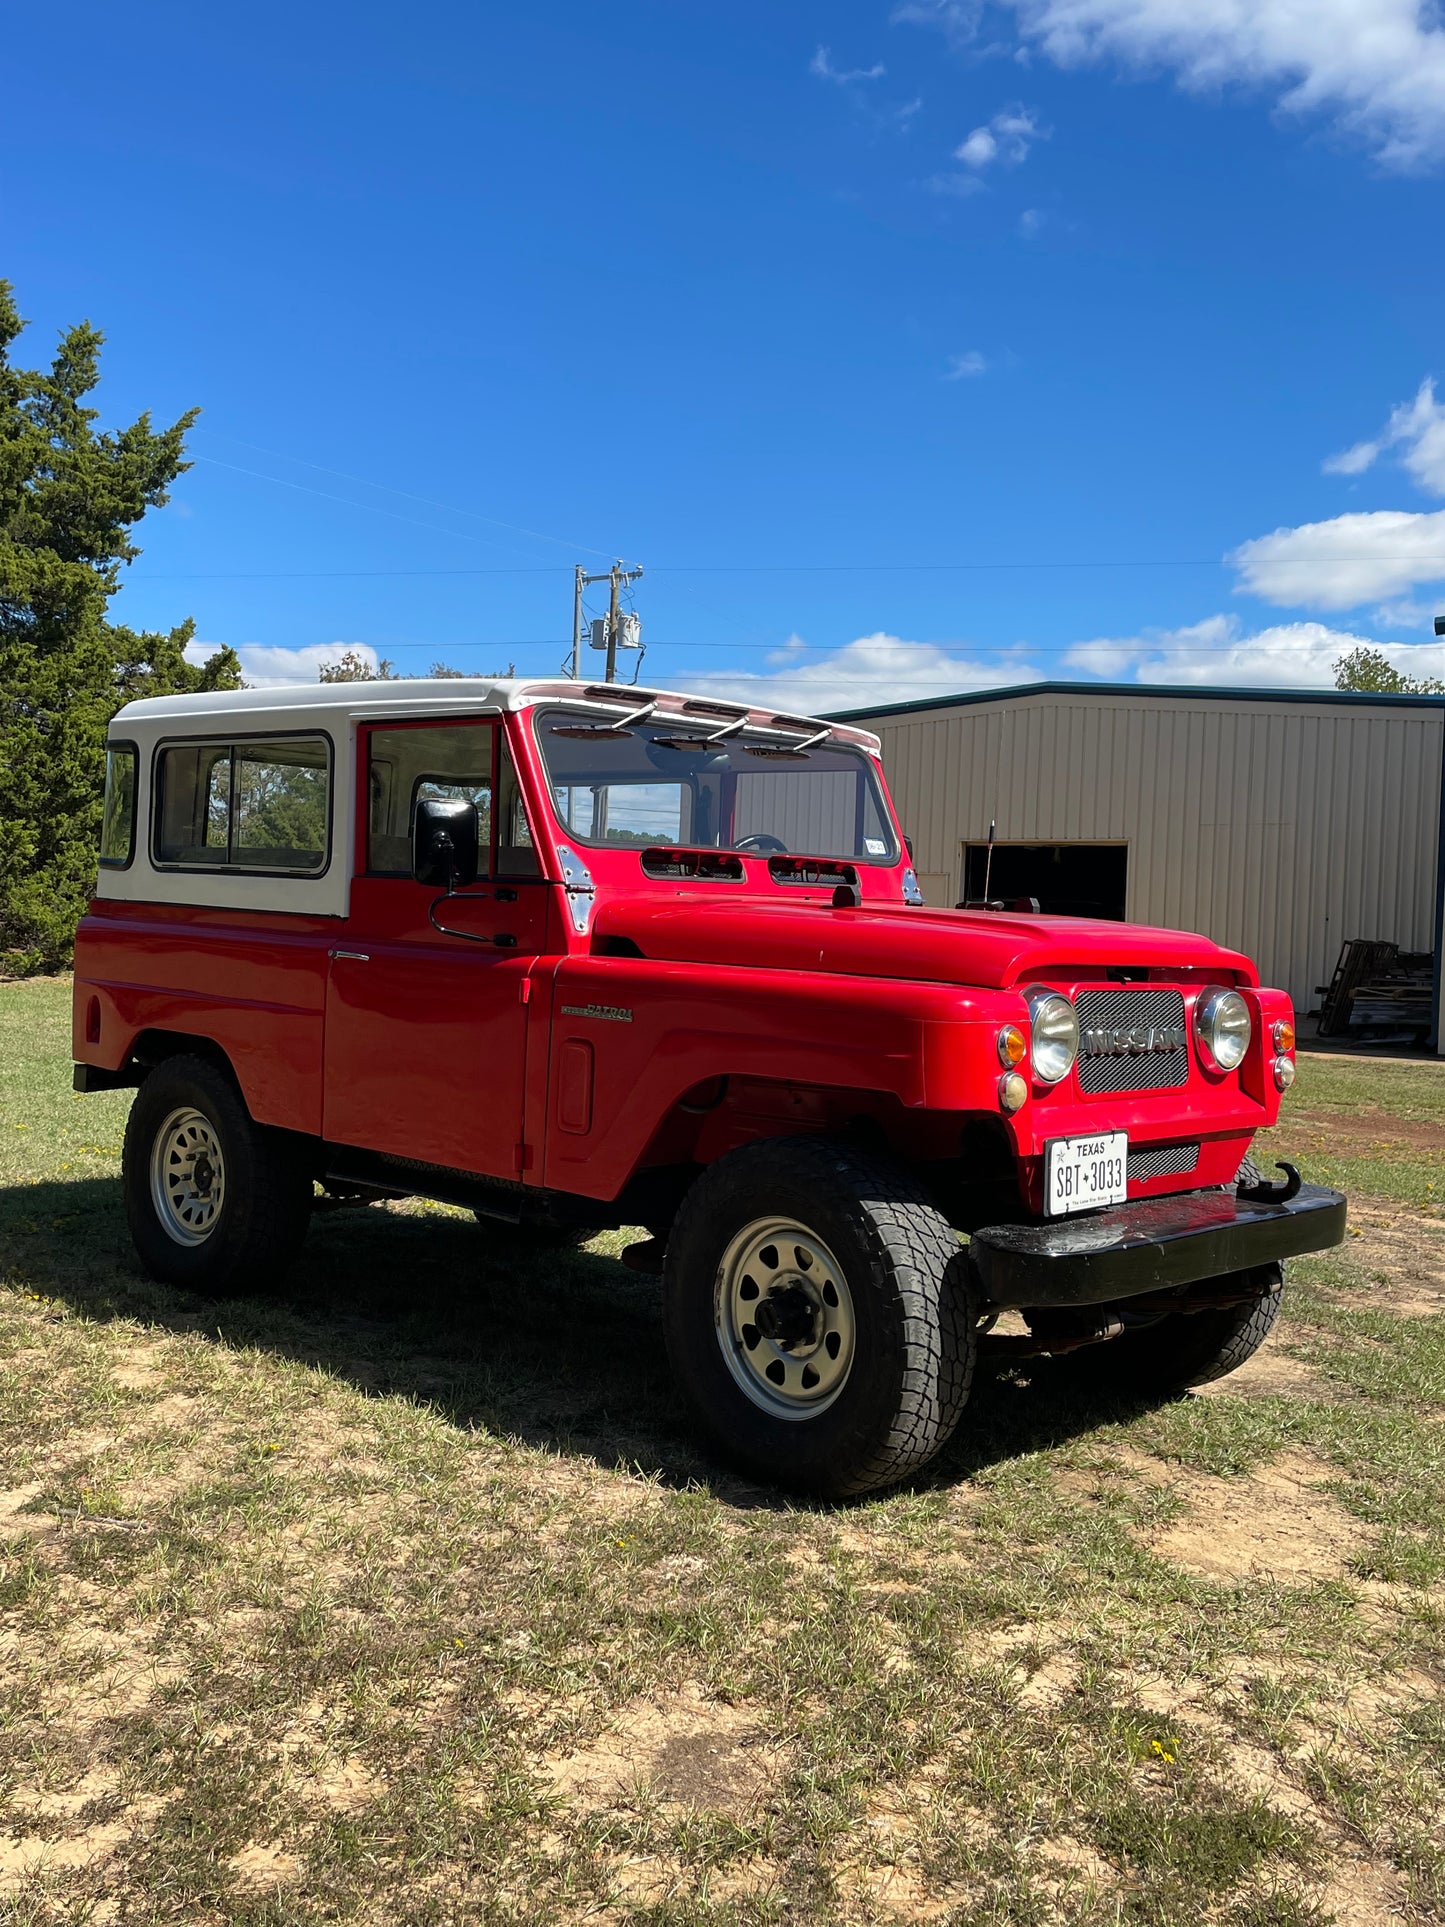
{"x":1277,"y":828}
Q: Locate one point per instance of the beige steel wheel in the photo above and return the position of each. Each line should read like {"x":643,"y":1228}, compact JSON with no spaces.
{"x":216,"y":1202}
{"x":819,"y":1315}
{"x":188,"y":1176}
{"x":785,"y":1318}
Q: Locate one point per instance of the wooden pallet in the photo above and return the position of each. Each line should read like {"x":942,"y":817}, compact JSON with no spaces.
{"x":1361,"y":958}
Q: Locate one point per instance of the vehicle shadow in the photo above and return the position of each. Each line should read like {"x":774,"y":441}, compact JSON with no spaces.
{"x":559,"y":1350}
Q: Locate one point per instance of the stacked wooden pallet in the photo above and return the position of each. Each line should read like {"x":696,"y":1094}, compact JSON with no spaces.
{"x":1379,"y":993}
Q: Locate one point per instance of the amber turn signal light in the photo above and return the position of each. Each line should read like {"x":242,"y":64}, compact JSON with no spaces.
{"x":1012,"y":1046}
{"x":1284,"y":1035}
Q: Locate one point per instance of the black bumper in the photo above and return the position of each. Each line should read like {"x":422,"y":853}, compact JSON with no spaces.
{"x":1151,"y":1246}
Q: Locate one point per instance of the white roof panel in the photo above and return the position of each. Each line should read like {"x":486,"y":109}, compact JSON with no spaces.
{"x":296,"y":705}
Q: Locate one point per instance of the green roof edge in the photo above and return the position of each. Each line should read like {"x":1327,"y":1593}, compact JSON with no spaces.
{"x":1194,"y":692}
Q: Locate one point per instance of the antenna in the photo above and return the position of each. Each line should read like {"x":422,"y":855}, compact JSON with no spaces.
{"x":988,"y":860}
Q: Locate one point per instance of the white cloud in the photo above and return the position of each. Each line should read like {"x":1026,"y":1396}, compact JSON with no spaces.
{"x":263,"y":664}
{"x":872,"y":670}
{"x":957,"y":186}
{"x":1030,"y":221}
{"x":1291,"y":655}
{"x":964,"y":367}
{"x":1376,"y":66}
{"x":1417,"y":429}
{"x":958,"y":19}
{"x":1006,"y":139}
{"x":1342,"y":563}
{"x":822,"y":66}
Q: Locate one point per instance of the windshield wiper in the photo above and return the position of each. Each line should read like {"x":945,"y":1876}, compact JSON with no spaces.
{"x":585,"y":730}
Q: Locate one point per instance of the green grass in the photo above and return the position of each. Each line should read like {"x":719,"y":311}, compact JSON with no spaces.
{"x":404,"y":1595}
{"x":1357,"y":1126}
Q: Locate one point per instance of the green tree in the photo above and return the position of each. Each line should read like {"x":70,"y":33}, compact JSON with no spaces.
{"x":352,"y":666}
{"x":1371,"y":669}
{"x":69,"y":495}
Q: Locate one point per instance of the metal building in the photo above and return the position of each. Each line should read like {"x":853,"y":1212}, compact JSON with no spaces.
{"x":1280,"y":823}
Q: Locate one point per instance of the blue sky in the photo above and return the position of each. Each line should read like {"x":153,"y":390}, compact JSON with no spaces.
{"x":907,"y":347}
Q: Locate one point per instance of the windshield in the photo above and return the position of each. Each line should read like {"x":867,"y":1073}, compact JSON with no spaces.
{"x":712,"y":785}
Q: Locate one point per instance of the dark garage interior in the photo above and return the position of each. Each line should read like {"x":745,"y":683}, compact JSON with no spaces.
{"x":1068,"y":879}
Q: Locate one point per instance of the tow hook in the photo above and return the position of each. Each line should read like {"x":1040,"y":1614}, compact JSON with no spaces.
{"x":1267,"y":1193}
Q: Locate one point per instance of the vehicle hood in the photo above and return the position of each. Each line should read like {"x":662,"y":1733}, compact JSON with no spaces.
{"x":985,"y":949}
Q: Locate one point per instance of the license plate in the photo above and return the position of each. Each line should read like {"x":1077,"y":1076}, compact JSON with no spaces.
{"x":1081,"y":1172}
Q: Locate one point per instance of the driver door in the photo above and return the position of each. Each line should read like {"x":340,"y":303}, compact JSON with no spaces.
{"x":426,"y":1034}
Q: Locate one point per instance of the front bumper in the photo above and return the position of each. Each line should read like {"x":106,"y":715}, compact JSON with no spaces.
{"x":1150,"y":1246}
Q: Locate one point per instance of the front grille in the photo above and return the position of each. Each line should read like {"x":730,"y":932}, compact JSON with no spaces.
{"x":1169,"y":1161}
{"x":1120,"y":1047}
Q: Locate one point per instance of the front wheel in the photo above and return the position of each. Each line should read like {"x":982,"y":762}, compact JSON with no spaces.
{"x":215,"y":1201}
{"x":818,"y":1316}
{"x":1195,"y":1348}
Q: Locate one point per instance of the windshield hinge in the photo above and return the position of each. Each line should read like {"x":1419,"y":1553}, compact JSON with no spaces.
{"x":581,"y":890}
{"x":911,"y":892}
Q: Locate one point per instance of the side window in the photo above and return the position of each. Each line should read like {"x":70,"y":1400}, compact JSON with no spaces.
{"x":117,"y":821}
{"x":261,"y":806}
{"x":516,"y":852}
{"x":451,"y":761}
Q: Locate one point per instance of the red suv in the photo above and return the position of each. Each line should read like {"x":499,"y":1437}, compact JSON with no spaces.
{"x":577,"y":957}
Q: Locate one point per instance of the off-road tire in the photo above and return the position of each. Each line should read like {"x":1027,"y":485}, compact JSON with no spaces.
{"x":1193,"y":1348}
{"x":268,"y":1189}
{"x":912,"y":1303}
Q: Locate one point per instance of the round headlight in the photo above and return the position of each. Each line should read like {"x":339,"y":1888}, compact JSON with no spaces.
{"x":1223,"y":1027}
{"x":1054,"y":1024}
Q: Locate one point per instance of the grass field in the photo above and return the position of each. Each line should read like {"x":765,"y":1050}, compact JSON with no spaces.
{"x":403,"y":1596}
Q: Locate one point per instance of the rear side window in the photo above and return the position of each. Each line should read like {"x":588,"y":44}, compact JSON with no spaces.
{"x":262,"y":806}
{"x":117,"y":822}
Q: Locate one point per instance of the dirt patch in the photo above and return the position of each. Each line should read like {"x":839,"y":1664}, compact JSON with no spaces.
{"x":1375,"y":1130}
{"x":1361,"y":1893}
{"x":1271,"y":1374}
{"x":261,"y":1866}
{"x":1404,"y":1253}
{"x":688,"y":1751}
{"x":15,"y":1521}
{"x":25,"y":1857}
{"x":1276,"y":1523}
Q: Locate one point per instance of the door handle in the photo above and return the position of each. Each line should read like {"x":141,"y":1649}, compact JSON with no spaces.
{"x":356,"y":956}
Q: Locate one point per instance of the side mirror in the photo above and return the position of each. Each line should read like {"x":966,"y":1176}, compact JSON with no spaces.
{"x":444,"y":844}
{"x":908,"y":845}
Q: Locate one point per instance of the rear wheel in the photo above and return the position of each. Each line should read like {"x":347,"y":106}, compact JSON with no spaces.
{"x":818,"y":1316}
{"x":215,"y":1201}
{"x":1195,"y":1348}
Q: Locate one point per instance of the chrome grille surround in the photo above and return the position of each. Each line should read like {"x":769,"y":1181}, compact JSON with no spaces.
{"x":1132,"y":1040}
{"x":1168,"y":1161}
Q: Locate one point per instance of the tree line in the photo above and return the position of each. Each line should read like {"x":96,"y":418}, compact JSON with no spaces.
{"x":71,"y":496}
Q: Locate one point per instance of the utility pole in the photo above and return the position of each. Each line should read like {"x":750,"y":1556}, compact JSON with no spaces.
{"x":617,"y":578}
{"x":582,"y":579}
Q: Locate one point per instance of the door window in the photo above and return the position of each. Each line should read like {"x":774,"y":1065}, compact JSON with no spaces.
{"x":451,"y":762}
{"x":516,"y":850}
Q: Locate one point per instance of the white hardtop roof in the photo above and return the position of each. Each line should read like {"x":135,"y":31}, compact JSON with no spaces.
{"x":293,"y":706}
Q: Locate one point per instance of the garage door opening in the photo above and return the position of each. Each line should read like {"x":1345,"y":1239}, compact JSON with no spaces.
{"x":1068,"y":879}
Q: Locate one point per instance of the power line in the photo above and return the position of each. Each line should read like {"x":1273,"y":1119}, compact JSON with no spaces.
{"x":721,"y":568}
{"x":341,"y":475}
{"x":325,"y":495}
